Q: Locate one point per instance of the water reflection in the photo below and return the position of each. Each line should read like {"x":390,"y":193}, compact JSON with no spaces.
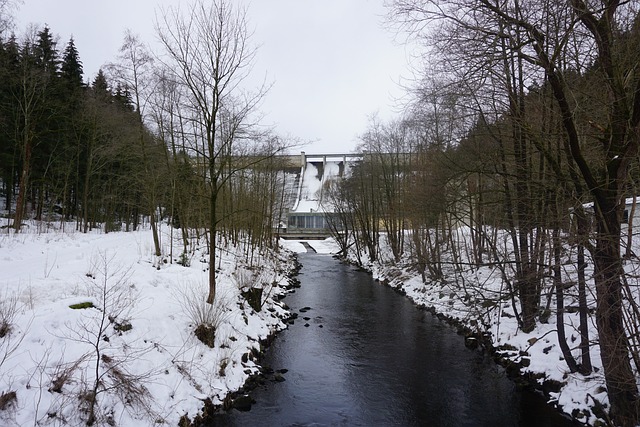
{"x":368,"y":357}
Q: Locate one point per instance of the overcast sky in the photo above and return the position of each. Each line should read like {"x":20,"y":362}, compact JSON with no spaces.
{"x":331,"y":62}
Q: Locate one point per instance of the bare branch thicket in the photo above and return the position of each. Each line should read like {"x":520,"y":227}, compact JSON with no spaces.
{"x":7,"y":9}
{"x":205,"y":318}
{"x":209,"y":54}
{"x":134,"y":72}
{"x":11,"y":338}
{"x":586,"y":138}
{"x":11,"y":334}
{"x":103,"y":368}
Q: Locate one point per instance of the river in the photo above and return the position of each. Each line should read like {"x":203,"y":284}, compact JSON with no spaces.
{"x":360,"y":354}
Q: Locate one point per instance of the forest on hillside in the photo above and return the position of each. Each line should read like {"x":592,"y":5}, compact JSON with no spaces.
{"x":155,"y":135}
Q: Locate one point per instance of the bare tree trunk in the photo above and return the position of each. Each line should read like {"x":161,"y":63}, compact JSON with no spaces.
{"x":631,"y":214}
{"x":213,"y":219}
{"x":559,"y":285}
{"x":22,"y":188}
{"x":582,"y":232}
{"x":614,"y":347}
{"x":85,"y":195}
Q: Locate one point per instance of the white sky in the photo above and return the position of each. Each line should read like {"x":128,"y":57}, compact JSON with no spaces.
{"x":331,"y":61}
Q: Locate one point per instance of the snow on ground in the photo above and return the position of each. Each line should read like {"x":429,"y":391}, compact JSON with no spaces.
{"x":325,"y":246}
{"x":139,"y":334}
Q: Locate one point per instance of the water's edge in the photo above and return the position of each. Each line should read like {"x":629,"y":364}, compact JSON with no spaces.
{"x":242,"y":400}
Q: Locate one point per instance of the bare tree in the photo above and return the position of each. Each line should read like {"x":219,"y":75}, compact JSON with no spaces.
{"x":551,"y":42}
{"x":134,"y":71}
{"x":6,"y":19}
{"x":104,"y":370}
{"x":387,"y":148}
{"x":208,"y":49}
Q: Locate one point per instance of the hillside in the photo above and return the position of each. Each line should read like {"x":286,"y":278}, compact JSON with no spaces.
{"x":74,"y":305}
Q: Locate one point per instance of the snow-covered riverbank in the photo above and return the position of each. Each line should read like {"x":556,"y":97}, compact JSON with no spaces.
{"x":79,"y":305}
{"x":478,"y":300}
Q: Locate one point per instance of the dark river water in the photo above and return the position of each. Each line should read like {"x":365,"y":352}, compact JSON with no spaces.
{"x":368,"y":357}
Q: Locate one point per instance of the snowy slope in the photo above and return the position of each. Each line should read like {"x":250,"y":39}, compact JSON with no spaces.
{"x":139,"y":335}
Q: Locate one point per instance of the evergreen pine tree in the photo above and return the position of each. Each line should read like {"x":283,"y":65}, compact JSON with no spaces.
{"x":9,"y":60}
{"x":71,"y":69}
{"x":100,"y":86}
{"x":73,"y":135}
{"x":37,"y":99}
{"x":122,"y":97}
{"x":50,"y":126}
{"x":46,"y":53}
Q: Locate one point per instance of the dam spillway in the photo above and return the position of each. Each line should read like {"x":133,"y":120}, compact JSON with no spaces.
{"x":309,"y":198}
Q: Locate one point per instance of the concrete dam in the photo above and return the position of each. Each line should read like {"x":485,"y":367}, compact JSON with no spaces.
{"x":306,"y":199}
